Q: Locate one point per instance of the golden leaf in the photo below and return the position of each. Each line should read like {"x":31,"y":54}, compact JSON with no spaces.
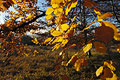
{"x":87,"y":47}
{"x":74,"y":58}
{"x":109,"y":64}
{"x":35,"y":41}
{"x":97,"y":11}
{"x":49,"y":11}
{"x":14,"y":1}
{"x":64,"y":27}
{"x":64,"y":42}
{"x":56,"y":1}
{"x":48,"y":17}
{"x":100,"y":47}
{"x":105,"y":15}
{"x":47,"y":40}
{"x":104,"y":34}
{"x":99,"y":71}
{"x":56,"y":33}
{"x":58,"y":11}
{"x":70,"y":6}
{"x":55,"y":5}
{"x":35,"y":52}
{"x":79,"y":64}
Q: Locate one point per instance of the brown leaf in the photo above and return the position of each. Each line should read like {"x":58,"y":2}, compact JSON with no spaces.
{"x":104,"y":34}
{"x":108,"y":73}
{"x":74,"y":60}
{"x":100,"y":47}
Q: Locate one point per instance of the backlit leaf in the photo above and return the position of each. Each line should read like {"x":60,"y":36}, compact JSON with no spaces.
{"x":64,"y":27}
{"x":48,"y":17}
{"x":79,"y":64}
{"x":109,"y":64}
{"x":97,"y":11}
{"x":87,"y":47}
{"x":99,"y":71}
{"x":56,"y":33}
{"x":48,"y":39}
{"x":55,"y":5}
{"x":49,"y":10}
{"x":105,"y":15}
{"x":35,"y":41}
{"x":70,"y":6}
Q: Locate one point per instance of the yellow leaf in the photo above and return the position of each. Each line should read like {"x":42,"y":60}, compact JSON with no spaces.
{"x":64,"y":27}
{"x":64,"y":42}
{"x":48,"y":39}
{"x":97,"y":11}
{"x":56,"y":33}
{"x":57,"y":1}
{"x":79,"y":64}
{"x":74,"y":58}
{"x":105,"y":15}
{"x":56,"y":46}
{"x":87,"y":47}
{"x":99,"y":71}
{"x":35,"y":41}
{"x":70,"y":6}
{"x":55,"y":5}
{"x":58,"y":11}
{"x":14,"y":1}
{"x":49,"y":10}
{"x":48,"y":17}
{"x":109,"y":64}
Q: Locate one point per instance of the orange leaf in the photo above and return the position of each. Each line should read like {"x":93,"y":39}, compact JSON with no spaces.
{"x":100,"y":47}
{"x":105,"y":15}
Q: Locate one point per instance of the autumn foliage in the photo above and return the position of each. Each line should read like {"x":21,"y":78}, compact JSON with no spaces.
{"x":65,"y":16}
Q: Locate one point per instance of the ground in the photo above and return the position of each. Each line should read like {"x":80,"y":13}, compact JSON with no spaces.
{"x":43,"y":66}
